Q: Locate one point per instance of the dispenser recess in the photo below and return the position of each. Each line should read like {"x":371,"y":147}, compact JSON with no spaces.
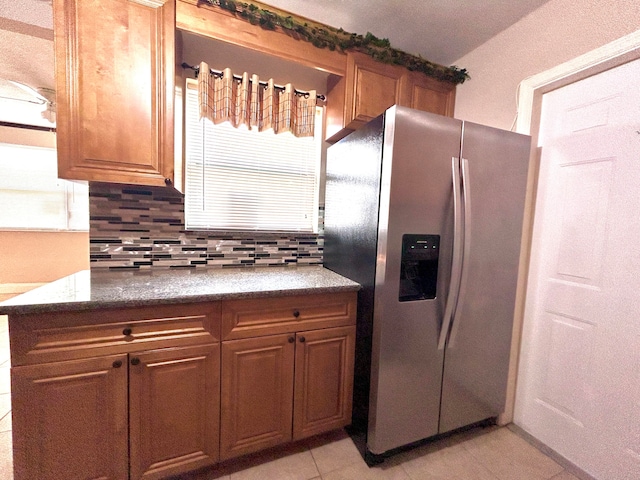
{"x":419,"y":267}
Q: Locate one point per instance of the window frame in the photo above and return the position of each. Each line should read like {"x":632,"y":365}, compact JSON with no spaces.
{"x":190,"y":87}
{"x":65,"y":189}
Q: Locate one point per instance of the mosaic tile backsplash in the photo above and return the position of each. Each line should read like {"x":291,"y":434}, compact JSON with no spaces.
{"x":134,"y":227}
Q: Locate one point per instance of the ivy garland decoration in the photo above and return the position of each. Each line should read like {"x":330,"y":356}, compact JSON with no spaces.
{"x":337,"y":39}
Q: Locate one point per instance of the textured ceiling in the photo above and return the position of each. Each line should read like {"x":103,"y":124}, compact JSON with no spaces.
{"x":441,"y":31}
{"x":26,"y":44}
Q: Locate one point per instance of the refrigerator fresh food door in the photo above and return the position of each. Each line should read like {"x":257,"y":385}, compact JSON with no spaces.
{"x":416,"y":203}
{"x":494,"y":169}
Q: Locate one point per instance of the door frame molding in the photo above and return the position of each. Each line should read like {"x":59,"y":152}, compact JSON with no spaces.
{"x":530,"y":93}
{"x":531,"y":89}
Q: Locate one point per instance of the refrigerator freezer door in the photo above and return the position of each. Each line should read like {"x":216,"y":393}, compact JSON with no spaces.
{"x":351,"y":234}
{"x":494,"y":168}
{"x":416,"y":199}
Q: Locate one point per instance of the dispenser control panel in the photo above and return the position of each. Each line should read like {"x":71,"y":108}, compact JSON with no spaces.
{"x":419,"y":267}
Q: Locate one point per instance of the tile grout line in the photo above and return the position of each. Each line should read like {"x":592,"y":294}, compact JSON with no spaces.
{"x":480,"y":461}
{"x":566,"y":464}
{"x":314,"y":462}
{"x":2,"y":419}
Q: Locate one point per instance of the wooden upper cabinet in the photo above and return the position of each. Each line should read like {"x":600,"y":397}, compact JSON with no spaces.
{"x":370,"y":87}
{"x":115,"y":86}
{"x":374,"y":87}
{"x":428,"y":94}
{"x":367,"y":90}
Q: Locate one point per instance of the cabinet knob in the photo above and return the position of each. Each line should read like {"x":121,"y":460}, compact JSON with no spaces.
{"x":296,"y":313}
{"x":291,"y":339}
{"x":135,"y":361}
{"x":117,"y":364}
{"x":127,"y":331}
{"x":302,"y":339}
{"x":167,"y":182}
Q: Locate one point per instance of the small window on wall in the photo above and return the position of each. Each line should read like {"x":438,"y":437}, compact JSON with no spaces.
{"x":243,"y":180}
{"x":32,"y":196}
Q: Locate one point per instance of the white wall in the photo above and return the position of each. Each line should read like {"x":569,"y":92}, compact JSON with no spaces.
{"x":555,"y":33}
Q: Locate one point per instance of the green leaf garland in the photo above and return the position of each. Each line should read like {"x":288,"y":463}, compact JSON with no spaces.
{"x":337,"y":39}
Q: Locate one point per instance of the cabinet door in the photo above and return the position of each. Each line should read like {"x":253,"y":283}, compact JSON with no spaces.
{"x":367,"y":90}
{"x":71,"y":421}
{"x":375,"y":87}
{"x":257,"y":394}
{"x":115,"y":86}
{"x":428,"y":94}
{"x":323,"y":380}
{"x":174,"y":410}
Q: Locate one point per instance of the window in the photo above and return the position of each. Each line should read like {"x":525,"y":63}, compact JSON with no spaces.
{"x":242,"y":180}
{"x":32,"y":196}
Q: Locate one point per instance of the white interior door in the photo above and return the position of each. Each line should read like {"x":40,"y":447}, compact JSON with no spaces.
{"x":579,"y":376}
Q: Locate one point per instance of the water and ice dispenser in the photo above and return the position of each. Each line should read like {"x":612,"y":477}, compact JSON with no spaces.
{"x":419,"y":267}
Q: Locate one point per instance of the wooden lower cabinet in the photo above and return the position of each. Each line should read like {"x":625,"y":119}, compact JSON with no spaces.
{"x":72,"y":422}
{"x":155,"y":411}
{"x":257,"y":394}
{"x":174,"y":410}
{"x":113,"y":394}
{"x":287,"y":387}
{"x":153,"y":392}
{"x":323,"y":380}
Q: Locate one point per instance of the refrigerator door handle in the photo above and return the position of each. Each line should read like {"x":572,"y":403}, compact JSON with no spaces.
{"x":466,"y":244}
{"x":456,"y":262}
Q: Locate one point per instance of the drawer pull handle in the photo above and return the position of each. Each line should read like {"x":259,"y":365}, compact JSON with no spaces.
{"x":127,"y":331}
{"x":291,"y":339}
{"x":135,"y":361}
{"x":117,"y":364}
{"x":296,"y":313}
{"x":302,"y":339}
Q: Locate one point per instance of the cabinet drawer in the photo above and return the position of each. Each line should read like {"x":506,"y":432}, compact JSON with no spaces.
{"x":271,"y":316}
{"x":72,"y":335}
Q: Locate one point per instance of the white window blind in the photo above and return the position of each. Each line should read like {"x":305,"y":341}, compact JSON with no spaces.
{"x":243,"y":180}
{"x":31,"y":195}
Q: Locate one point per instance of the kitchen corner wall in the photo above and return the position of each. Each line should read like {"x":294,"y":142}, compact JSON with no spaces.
{"x":29,"y":258}
{"x":558,"y":31}
{"x":134,"y":227}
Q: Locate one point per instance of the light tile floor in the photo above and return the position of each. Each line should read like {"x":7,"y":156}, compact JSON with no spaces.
{"x":486,"y":454}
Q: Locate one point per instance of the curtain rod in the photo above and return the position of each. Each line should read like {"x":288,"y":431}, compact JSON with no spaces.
{"x":27,"y":127}
{"x":237,"y":77}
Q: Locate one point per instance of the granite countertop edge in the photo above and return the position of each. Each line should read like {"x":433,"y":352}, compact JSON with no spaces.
{"x":93,"y":290}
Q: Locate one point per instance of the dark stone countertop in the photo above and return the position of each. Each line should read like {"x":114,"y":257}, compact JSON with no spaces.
{"x":90,"y":290}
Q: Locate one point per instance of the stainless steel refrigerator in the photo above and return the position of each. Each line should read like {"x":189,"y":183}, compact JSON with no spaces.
{"x":425,"y":212}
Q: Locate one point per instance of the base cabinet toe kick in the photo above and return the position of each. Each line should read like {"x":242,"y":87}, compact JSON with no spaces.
{"x":150,"y":392}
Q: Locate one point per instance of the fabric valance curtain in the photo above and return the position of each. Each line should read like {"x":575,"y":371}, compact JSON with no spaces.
{"x":245,"y":101}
